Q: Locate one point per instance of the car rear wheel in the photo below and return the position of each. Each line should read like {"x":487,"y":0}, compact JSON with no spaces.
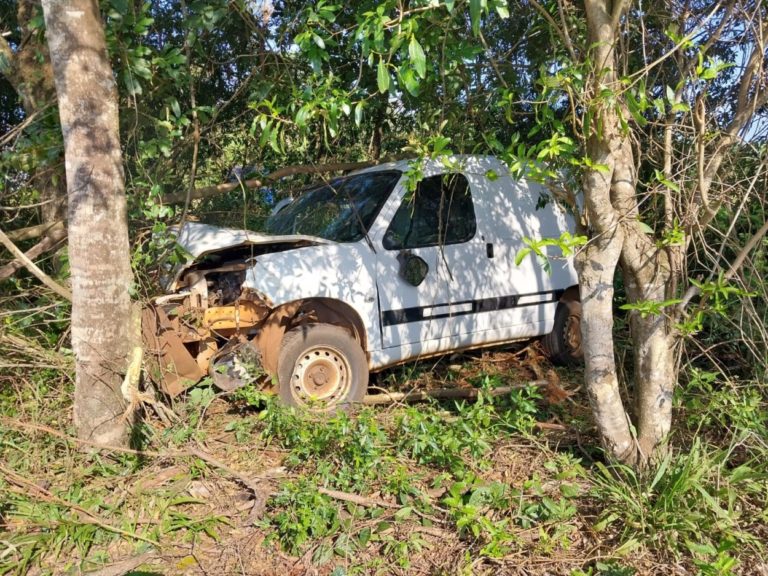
{"x":322,"y":368}
{"x":563,"y":344}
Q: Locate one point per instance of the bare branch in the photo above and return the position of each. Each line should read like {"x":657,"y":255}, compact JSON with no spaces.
{"x":52,"y":239}
{"x":209,"y":191}
{"x":564,"y":36}
{"x":35,"y":231}
{"x":732,"y":269}
{"x":618,"y":9}
{"x":39,"y":274}
{"x":750,"y":98}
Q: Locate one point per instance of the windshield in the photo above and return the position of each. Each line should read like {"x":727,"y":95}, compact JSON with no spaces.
{"x":342,"y":210}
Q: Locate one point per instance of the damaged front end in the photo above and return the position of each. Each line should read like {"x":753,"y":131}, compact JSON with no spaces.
{"x":214,"y":324}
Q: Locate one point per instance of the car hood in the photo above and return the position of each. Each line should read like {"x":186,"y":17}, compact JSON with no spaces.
{"x":199,"y":240}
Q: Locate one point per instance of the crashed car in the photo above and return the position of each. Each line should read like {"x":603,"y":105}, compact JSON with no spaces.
{"x":385,"y":265}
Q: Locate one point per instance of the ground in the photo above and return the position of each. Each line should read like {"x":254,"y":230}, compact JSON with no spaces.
{"x":507,"y":484}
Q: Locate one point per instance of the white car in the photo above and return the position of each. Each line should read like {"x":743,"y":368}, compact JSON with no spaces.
{"x":389,"y":264}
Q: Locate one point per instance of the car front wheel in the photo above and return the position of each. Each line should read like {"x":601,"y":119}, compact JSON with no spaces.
{"x":563,"y":344}
{"x":321,"y":367}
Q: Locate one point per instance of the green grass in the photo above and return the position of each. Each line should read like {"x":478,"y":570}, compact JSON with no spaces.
{"x":462,"y":487}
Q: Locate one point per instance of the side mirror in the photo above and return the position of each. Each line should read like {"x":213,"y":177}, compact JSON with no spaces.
{"x":413,"y":269}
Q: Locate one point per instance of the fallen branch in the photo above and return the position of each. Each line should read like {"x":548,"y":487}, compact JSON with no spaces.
{"x":53,"y":238}
{"x":444,"y":393}
{"x":32,"y":267}
{"x":209,"y":191}
{"x":35,"y":231}
{"x":126,"y":566}
{"x":250,"y":482}
{"x":18,"y":425}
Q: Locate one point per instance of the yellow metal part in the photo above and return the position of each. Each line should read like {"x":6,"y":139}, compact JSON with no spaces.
{"x":240,"y":316}
{"x":207,"y":349}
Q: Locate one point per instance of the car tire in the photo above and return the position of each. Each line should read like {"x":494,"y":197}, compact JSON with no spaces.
{"x":563,"y":345}
{"x":322,"y":368}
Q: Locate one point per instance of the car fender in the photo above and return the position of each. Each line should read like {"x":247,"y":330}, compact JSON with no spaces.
{"x":344,"y":272}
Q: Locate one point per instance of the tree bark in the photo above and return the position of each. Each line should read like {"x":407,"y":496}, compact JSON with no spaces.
{"x":608,"y":198}
{"x":30,"y":73}
{"x":102,"y":334}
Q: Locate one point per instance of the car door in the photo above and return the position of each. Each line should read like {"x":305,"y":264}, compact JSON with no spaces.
{"x":433,"y":224}
{"x":524,"y":291}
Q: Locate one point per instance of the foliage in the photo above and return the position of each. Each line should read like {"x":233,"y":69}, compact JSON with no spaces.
{"x":694,"y":500}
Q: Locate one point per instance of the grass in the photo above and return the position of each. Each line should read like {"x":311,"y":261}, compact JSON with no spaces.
{"x":439,"y":488}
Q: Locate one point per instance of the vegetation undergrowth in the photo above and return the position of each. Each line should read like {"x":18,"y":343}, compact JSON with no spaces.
{"x":459,"y":486}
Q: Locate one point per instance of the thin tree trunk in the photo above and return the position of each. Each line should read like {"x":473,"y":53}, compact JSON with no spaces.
{"x":596,"y":266}
{"x":605,"y":198}
{"x":98,"y":234}
{"x":646,"y":276}
{"x":29,"y":72}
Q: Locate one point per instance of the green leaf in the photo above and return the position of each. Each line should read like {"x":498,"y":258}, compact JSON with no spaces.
{"x":175,"y":107}
{"x":570,"y":490}
{"x":403,"y":513}
{"x":475,"y":10}
{"x":418,"y":59}
{"x":670,"y":95}
{"x":363,"y":537}
{"x":358,"y":113}
{"x":645,"y":228}
{"x":322,"y":554}
{"x":521,"y":254}
{"x":319,"y":41}
{"x":382,"y":77}
{"x":502,"y":10}
{"x":131,"y":84}
{"x":411,"y":83}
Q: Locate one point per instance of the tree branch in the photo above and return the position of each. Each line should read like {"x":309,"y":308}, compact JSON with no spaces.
{"x":564,"y":36}
{"x":35,"y":231}
{"x":732,"y":269}
{"x":209,"y":191}
{"x":52,"y":239}
{"x":39,"y":274}
{"x":618,"y":10}
{"x":749,"y":100}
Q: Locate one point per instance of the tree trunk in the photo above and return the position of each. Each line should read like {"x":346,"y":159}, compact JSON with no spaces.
{"x":99,"y":255}
{"x":608,"y":197}
{"x":596,"y":266}
{"x":29,"y":72}
{"x":646,"y":275}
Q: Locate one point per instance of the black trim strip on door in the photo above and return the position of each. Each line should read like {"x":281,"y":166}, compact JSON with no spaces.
{"x":417,"y":313}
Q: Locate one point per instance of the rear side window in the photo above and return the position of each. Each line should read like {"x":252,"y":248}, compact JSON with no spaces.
{"x":439,"y":212}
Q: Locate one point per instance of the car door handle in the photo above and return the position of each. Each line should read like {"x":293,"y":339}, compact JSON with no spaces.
{"x":489,"y":250}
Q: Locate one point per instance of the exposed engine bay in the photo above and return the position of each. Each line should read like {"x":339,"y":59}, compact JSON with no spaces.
{"x":214,"y":324}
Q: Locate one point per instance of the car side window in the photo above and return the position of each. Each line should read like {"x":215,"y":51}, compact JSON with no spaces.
{"x":440,"y":211}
